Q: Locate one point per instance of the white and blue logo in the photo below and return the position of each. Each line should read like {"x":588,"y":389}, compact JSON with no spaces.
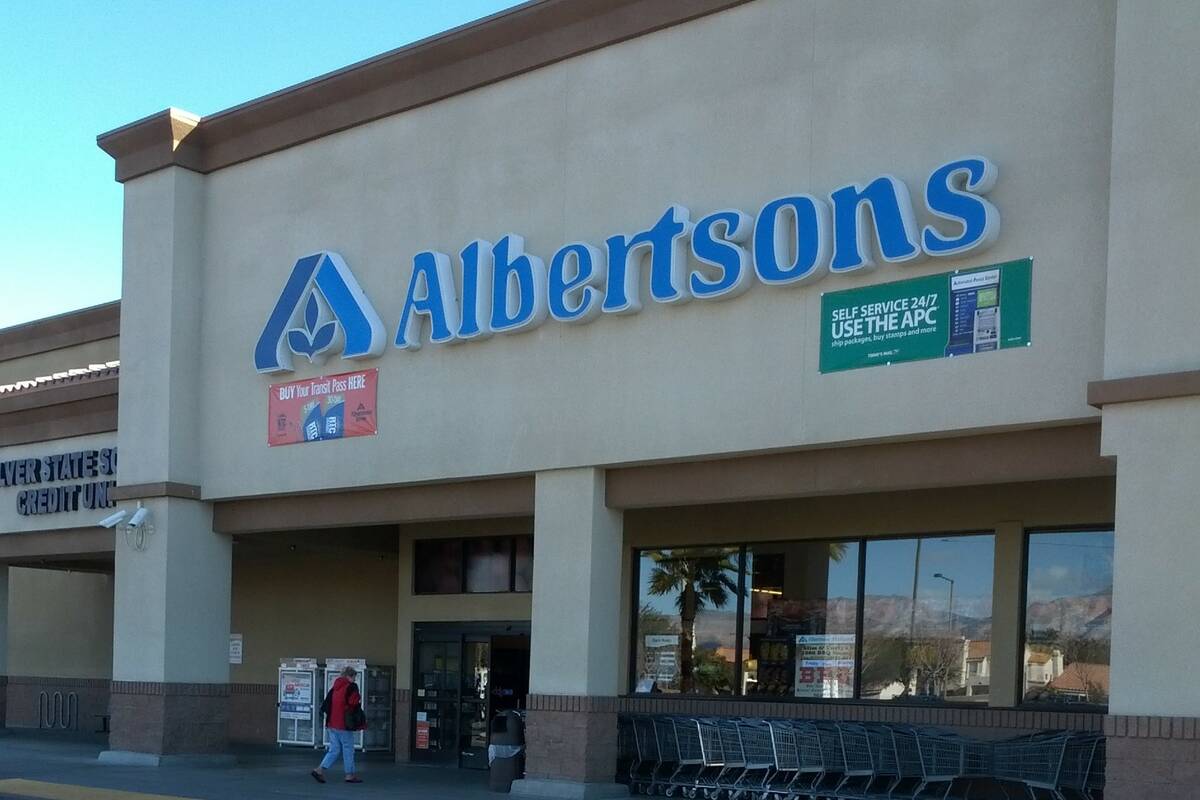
{"x":500,"y":288}
{"x":320,"y":308}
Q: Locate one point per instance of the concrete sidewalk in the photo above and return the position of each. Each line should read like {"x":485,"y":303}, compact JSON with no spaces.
{"x":33,"y":766}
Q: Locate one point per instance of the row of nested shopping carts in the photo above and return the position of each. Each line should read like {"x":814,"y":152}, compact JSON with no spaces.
{"x":770,"y":759}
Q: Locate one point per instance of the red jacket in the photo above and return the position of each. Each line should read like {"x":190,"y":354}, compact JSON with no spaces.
{"x":340,"y":702}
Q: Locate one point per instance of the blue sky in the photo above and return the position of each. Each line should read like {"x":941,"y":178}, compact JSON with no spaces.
{"x":73,"y":70}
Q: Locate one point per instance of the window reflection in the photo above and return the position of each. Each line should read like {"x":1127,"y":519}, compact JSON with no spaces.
{"x":927,"y":619}
{"x":687,"y":620}
{"x":1068,"y":617}
{"x":439,"y":563}
{"x":803,"y":612}
{"x":489,"y":564}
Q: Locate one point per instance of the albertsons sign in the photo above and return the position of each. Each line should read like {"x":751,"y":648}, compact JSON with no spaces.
{"x":502,"y":289}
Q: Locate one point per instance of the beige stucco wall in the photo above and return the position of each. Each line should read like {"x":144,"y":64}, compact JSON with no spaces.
{"x":60,"y":623}
{"x":339,"y":604}
{"x":1155,"y":591}
{"x":171,"y":600}
{"x":162,"y":302}
{"x":12,"y":522}
{"x":61,"y":360}
{"x":770,"y":98}
{"x":1153,"y":284}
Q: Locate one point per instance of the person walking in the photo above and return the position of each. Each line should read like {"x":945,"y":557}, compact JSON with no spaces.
{"x":343,"y":717}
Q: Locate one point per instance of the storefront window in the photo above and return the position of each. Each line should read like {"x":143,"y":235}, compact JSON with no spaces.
{"x":477,"y":565}
{"x":1068,"y":617}
{"x":687,"y":620}
{"x":803,"y":616}
{"x":523,"y":556}
{"x":439,"y":566}
{"x":927,"y":619}
{"x":489,"y":564}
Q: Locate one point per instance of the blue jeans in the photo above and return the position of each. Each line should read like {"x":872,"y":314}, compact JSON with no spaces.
{"x":340,"y":742}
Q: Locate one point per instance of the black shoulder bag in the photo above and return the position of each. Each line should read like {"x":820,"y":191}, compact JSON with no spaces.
{"x":356,"y":718}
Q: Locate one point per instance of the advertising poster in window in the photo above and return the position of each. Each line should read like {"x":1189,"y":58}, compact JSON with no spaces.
{"x":662,"y":662}
{"x":422,"y":740}
{"x":936,"y":316}
{"x":322,"y":408}
{"x":825,"y":665}
{"x":295,"y":694}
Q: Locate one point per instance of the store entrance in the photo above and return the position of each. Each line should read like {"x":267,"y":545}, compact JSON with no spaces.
{"x":464,"y":674}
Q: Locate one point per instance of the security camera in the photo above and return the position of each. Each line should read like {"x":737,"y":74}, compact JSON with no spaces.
{"x":138,"y":517}
{"x":112,"y":520}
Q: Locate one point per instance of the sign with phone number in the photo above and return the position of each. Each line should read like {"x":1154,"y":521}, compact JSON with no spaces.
{"x":935,"y":316}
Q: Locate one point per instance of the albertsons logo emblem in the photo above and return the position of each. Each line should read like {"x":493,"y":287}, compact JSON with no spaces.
{"x":321,"y":308}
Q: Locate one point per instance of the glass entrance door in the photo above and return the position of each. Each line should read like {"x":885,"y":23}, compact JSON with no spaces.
{"x":475,"y":709}
{"x":435,"y":704}
{"x":463,"y":675}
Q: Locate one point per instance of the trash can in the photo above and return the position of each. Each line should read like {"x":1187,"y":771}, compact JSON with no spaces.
{"x":506,"y":753}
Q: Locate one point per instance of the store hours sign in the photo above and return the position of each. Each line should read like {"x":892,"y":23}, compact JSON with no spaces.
{"x":51,"y":484}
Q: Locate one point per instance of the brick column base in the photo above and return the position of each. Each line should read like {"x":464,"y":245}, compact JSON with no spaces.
{"x":570,"y":748}
{"x":1152,"y":757}
{"x":160,"y":723}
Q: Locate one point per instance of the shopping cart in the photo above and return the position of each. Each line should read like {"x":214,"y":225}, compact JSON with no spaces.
{"x":1058,"y":765}
{"x":1035,"y":761}
{"x":692,"y":772}
{"x":833,"y":760}
{"x":786,"y":756}
{"x":858,"y":771}
{"x":666,"y":734}
{"x":733,"y":758}
{"x":627,"y":752}
{"x":887,"y":765}
{"x":761,"y":759}
{"x":759,"y":751}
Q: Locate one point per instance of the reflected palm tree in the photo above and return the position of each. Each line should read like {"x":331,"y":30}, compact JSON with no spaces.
{"x":699,"y":579}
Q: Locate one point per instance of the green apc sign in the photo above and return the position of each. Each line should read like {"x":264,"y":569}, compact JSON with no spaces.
{"x":935,"y":316}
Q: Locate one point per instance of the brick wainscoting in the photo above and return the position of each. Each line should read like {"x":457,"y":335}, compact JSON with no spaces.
{"x":63,"y":704}
{"x":575,"y":738}
{"x":170,"y":718}
{"x":1153,"y":757}
{"x":982,"y":721}
{"x":252,"y":716}
{"x":402,"y":725}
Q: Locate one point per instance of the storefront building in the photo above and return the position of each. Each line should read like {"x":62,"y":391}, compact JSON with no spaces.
{"x":772,"y":358}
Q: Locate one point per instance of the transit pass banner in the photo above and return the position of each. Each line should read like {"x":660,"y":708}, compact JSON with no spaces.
{"x":322,"y":408}
{"x":936,"y":316}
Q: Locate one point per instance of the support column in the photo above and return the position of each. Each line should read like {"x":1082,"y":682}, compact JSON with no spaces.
{"x":575,"y":660}
{"x":171,"y":609}
{"x":170,"y":689}
{"x":1153,"y":744}
{"x":1007,"y":661}
{"x":1154,"y":720}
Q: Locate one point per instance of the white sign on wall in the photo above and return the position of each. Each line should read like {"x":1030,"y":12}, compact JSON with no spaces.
{"x":235,"y":648}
